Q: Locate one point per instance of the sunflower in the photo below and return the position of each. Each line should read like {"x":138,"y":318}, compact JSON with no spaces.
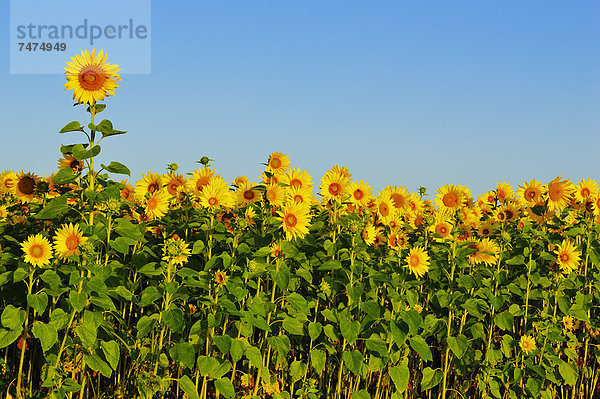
{"x":418,"y":261}
{"x":442,"y":227}
{"x":127,"y":190}
{"x":503,"y":191}
{"x":200,"y":178}
{"x":38,"y":251}
{"x":249,"y":216}
{"x":216,"y":195}
{"x":486,"y":251}
{"x":157,"y":204}
{"x":173,"y":182}
{"x":150,"y":183}
{"x":531,"y":191}
{"x":559,"y":193}
{"x":8,"y":179}
{"x":397,"y":239}
{"x":298,"y":178}
{"x":295,"y":220}
{"x":238,"y":181}
{"x":278,"y":163}
{"x":275,"y":194}
{"x":90,"y":77}
{"x":67,"y":240}
{"x":176,"y":251}
{"x":486,"y":228}
{"x":341,"y":170}
{"x":568,"y":257}
{"x":334,"y":185}
{"x":269,"y":178}
{"x":69,"y":161}
{"x":3,"y":212}
{"x":414,"y":204}
{"x":449,"y":198}
{"x":299,"y":195}
{"x":385,"y":209}
{"x":398,"y":195}
{"x":25,"y":186}
{"x":246,"y":194}
{"x":568,"y":323}
{"x":360,"y":193}
{"x":369,"y":234}
{"x":586,"y":189}
{"x":527,"y":344}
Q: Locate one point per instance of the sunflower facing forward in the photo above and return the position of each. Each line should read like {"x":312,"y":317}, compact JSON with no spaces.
{"x":38,"y":251}
{"x":90,"y":77}
{"x":67,"y":240}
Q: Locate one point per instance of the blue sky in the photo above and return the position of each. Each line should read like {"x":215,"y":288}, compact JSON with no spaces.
{"x":403,"y":93}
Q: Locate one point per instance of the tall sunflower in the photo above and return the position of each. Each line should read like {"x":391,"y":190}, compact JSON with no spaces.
{"x":67,"y":240}
{"x":38,"y":251}
{"x":278,"y":163}
{"x":69,"y":161}
{"x":246,"y":194}
{"x":299,"y":195}
{"x":559,"y":193}
{"x":157,"y":204}
{"x":296,"y":177}
{"x":173,"y":182}
{"x":418,"y":261}
{"x":25,"y":186}
{"x":8,"y":179}
{"x":503,"y":191}
{"x":90,"y":77}
{"x":449,"y":198}
{"x":334,"y":185}
{"x":275,"y":194}
{"x":216,"y":195}
{"x":200,"y":178}
{"x":295,"y":220}
{"x":360,"y":193}
{"x":586,"y":189}
{"x":531,"y":191}
{"x":150,"y":183}
{"x":567,"y":256}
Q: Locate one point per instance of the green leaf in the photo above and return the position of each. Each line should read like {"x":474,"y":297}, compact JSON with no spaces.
{"x":13,"y":318}
{"x":298,"y":302}
{"x":331,"y":264}
{"x":400,"y":375}
{"x":7,"y":337}
{"x":80,"y":153}
{"x":458,"y":345}
{"x":431,"y":378}
{"x":59,"y":318}
{"x":280,"y":343}
{"x":88,"y":333}
{"x":173,"y":319}
{"x":97,"y":108}
{"x":253,"y":354}
{"x":375,"y":344}
{"x":121,"y":244}
{"x":318,"y":359}
{"x":144,"y":325}
{"x":420,"y":346}
{"x":314,"y":330}
{"x":188,"y":387}
{"x":126,"y":228}
{"x":293,"y":326}
{"x":198,"y":247}
{"x":297,"y":370}
{"x":46,"y":333}
{"x":568,"y":372}
{"x":55,"y":208}
{"x":225,"y":387}
{"x":78,"y":300}
{"x":38,"y":301}
{"x":95,"y":362}
{"x":207,"y":365}
{"x":515,"y":261}
{"x":111,"y":353}
{"x":72,"y":127}
{"x":64,"y":176}
{"x":353,"y":360}
{"x":362,"y":394}
{"x":223,"y":342}
{"x":349,"y":329}
{"x":183,"y":352}
{"x":117,"y":167}
{"x":505,"y":321}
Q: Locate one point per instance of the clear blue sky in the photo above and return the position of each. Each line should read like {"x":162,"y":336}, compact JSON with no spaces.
{"x":403,"y":93}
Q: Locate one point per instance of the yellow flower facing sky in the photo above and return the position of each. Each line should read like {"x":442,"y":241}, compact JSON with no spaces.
{"x":567,"y":256}
{"x":90,"y":77}
{"x":527,"y":344}
{"x":418,"y":261}
{"x":67,"y":240}
{"x":38,"y":251}
{"x":295,"y":220}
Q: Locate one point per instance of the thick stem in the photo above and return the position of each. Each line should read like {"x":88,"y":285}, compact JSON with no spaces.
{"x":24,"y":338}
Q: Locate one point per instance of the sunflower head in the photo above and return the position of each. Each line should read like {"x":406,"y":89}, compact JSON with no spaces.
{"x":90,"y":77}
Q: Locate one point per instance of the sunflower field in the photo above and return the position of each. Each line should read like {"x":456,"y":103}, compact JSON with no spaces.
{"x":189,"y":286}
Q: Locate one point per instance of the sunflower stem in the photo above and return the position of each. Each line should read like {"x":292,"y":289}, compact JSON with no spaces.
{"x":24,"y":338}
